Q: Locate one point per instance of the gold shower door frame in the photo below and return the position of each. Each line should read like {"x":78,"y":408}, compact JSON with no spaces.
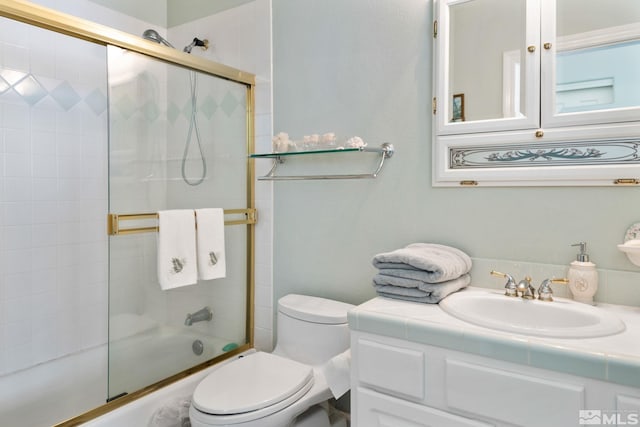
{"x":86,"y":30}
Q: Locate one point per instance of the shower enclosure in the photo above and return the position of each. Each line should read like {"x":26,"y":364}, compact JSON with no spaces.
{"x":155,"y":160}
{"x":95,"y":128}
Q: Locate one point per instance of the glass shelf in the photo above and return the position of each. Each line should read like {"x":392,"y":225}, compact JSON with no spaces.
{"x":386,"y":150}
{"x":298,"y":153}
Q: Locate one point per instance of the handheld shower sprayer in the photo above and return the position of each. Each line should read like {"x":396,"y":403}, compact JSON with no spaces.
{"x":204,"y":44}
{"x":153,"y":35}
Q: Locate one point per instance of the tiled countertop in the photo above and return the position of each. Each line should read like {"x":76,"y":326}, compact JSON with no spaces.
{"x":614,"y":358}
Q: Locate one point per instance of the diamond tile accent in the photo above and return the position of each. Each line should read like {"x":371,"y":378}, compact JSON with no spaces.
{"x":229,"y":104}
{"x":4,"y":86}
{"x":209,"y":107}
{"x":65,"y":96}
{"x":126,"y":106}
{"x":12,"y":76}
{"x":30,"y":89}
{"x":187,"y":109}
{"x":172,"y":112}
{"x":96,"y":101}
{"x":151,"y":111}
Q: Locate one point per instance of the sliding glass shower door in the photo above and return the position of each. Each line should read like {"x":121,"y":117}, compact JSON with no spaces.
{"x":178,"y":140}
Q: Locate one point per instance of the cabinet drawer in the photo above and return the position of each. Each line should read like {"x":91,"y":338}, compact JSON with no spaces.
{"x":512,"y":397}
{"x":629,"y":406}
{"x":378,"y":410}
{"x":391,"y":369}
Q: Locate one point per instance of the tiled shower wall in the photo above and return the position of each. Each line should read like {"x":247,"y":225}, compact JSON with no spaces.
{"x":241,"y":38}
{"x":53,"y":199}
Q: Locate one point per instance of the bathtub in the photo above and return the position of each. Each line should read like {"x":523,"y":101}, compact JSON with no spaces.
{"x":54,"y":391}
{"x":151,"y":356}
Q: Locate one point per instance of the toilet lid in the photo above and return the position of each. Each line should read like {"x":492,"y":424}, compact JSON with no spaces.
{"x":253,"y":382}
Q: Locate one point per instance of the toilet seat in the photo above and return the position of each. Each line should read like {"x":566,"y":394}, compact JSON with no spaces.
{"x":252,"y":387}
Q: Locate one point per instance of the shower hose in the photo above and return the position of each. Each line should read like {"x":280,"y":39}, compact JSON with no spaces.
{"x":193,"y":126}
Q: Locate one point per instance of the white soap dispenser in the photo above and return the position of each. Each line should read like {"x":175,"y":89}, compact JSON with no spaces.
{"x":583,"y":276}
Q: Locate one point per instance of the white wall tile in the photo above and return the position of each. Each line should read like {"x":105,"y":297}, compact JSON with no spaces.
{"x":44,"y":189}
{"x":43,"y":143}
{"x":17,"y":285}
{"x":17,"y":237}
{"x":15,"y":57}
{"x":43,"y":166}
{"x":16,"y":141}
{"x":16,"y":213}
{"x":16,"y":117}
{"x":16,"y":190}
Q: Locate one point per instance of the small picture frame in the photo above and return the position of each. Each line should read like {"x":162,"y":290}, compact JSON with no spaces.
{"x":457,"y":108}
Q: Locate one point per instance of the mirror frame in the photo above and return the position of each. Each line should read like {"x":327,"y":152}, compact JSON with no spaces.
{"x":531,"y":71}
{"x":504,"y":152}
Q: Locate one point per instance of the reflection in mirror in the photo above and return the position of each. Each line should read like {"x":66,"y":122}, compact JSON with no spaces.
{"x":487,"y":44}
{"x":598,"y":55}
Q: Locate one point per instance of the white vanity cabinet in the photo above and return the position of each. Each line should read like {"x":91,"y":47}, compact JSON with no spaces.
{"x":398,"y":383}
{"x":543,"y":92}
{"x":400,"y":379}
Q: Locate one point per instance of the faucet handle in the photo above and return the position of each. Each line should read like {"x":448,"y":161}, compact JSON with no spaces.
{"x":525,"y":287}
{"x":545,"y":293}
{"x":510,"y":287}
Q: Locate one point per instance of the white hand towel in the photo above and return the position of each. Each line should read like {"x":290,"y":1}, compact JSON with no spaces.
{"x":210,"y":241}
{"x":337,"y":372}
{"x":177,"y":264}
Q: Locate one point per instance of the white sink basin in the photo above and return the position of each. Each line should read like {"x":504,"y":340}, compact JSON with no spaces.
{"x":561,"y":318}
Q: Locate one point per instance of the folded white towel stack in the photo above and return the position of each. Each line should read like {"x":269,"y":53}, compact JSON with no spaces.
{"x":421,"y":272}
{"x":210,"y":243}
{"x":177,"y":249}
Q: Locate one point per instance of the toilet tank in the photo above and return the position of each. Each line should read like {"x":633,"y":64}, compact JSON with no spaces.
{"x":311,"y":330}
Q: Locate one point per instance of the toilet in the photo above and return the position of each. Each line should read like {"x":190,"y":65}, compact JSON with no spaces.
{"x":285,"y":388}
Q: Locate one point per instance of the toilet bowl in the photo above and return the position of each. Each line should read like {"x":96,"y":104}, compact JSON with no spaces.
{"x":273,"y":389}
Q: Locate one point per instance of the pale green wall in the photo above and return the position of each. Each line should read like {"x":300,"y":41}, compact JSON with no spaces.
{"x":363,"y":67}
{"x":152,"y":11}
{"x":182,"y":11}
{"x":169,"y":13}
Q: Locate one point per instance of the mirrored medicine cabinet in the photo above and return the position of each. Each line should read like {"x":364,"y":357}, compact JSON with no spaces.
{"x":536,"y":92}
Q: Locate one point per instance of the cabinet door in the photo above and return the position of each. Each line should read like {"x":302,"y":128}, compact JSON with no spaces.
{"x":590,"y":62}
{"x":487,"y":65}
{"x":378,"y":410}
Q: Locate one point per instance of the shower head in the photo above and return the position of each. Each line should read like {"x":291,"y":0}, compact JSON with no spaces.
{"x":155,"y":37}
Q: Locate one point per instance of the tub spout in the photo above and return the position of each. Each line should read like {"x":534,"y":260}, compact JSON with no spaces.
{"x":204,"y":314}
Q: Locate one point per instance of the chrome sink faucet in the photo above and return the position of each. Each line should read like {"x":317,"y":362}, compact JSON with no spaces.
{"x":545,"y":293}
{"x":525,"y":289}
